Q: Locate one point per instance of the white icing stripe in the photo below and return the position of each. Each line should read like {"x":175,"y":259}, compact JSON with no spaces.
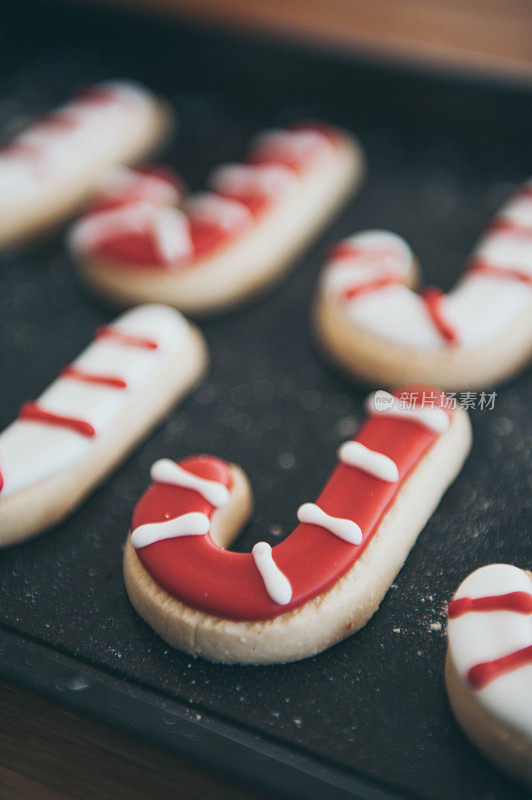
{"x":192,"y":524}
{"x":300,"y":146}
{"x":385,"y":404}
{"x":120,"y":184}
{"x":377,"y":248}
{"x":345,"y":529}
{"x":31,"y":451}
{"x":275,"y":582}
{"x":268,"y":180}
{"x":167,"y":471}
{"x":481,"y":636}
{"x":171,"y":232}
{"x":377,"y":464}
{"x":169,"y":227}
{"x":154,"y":321}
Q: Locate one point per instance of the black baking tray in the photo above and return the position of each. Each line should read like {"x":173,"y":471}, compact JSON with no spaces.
{"x":369,"y":718}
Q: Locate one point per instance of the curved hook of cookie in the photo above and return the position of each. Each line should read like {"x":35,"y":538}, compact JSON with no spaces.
{"x":322,"y":582}
{"x":488,"y":669}
{"x":380,"y":331}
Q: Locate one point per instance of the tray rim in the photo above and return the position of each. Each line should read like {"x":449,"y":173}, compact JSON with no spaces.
{"x":205,"y":741}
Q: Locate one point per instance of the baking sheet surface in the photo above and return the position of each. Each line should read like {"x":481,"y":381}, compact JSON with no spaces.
{"x":442,"y":157}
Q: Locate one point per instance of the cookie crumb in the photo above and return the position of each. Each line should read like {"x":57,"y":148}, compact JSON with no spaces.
{"x":346,"y":426}
{"x":287,"y":461}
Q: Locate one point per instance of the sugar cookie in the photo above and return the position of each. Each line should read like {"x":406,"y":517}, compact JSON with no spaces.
{"x":98,"y":409}
{"x":50,"y":168}
{"x":488,"y":671}
{"x":325,"y":580}
{"x":227,"y":244}
{"x":377,"y":329}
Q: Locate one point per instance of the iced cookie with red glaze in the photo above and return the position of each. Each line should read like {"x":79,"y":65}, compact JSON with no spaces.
{"x":488,"y":671}
{"x":102,"y":404}
{"x":325,"y":580}
{"x":375,"y":327}
{"x":48,"y":170}
{"x":229,"y":243}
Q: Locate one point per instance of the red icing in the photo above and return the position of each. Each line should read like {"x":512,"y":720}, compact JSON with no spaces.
{"x":162,"y":171}
{"x":207,"y":237}
{"x":108,"y":332}
{"x":432,"y":297}
{"x":256,"y":203}
{"x":131,"y":248}
{"x":504,"y":225}
{"x":31,"y":411}
{"x":18,"y":149}
{"x":268,"y":154}
{"x":96,"y":95}
{"x":88,"y":377}
{"x":479,"y":265}
{"x":59,"y":120}
{"x":115,"y":198}
{"x":56,"y":121}
{"x":520,"y":602}
{"x":332,"y":134}
{"x":164,"y":500}
{"x":371,"y":286}
{"x":139,"y":248}
{"x":486,"y":672}
{"x":227,"y":584}
{"x":350,"y":250}
{"x":433,"y":301}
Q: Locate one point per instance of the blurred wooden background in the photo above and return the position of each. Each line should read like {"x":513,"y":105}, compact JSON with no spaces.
{"x":48,"y":753}
{"x":491,"y":37}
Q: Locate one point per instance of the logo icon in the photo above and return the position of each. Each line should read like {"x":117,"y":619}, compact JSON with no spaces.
{"x":383,"y":400}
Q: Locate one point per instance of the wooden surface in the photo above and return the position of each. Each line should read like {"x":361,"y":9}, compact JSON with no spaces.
{"x":483,"y":36}
{"x":47,"y":753}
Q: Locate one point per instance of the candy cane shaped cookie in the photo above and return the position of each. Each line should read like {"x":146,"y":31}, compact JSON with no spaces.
{"x":64,"y":444}
{"x":488,"y":671}
{"x":377,"y":329}
{"x":50,"y":168}
{"x":324,"y":581}
{"x":227,"y":244}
